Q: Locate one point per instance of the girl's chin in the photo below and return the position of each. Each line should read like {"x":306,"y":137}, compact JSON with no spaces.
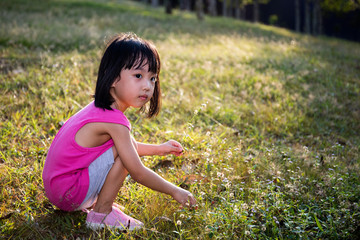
{"x":139,"y":106}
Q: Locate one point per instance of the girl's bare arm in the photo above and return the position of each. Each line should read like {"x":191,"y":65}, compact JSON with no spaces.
{"x":141,"y":174}
{"x":170,"y":147}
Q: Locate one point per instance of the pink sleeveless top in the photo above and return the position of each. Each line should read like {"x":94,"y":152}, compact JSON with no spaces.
{"x":65,"y":173}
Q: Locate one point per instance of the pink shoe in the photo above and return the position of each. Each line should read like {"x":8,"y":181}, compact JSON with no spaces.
{"x":116,"y":219}
{"x":117,"y":207}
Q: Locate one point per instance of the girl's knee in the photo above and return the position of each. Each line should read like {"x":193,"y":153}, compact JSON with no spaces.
{"x":117,"y":161}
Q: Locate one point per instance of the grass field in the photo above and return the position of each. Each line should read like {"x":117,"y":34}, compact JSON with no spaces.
{"x":270,"y":121}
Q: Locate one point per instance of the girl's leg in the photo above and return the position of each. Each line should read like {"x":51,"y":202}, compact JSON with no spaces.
{"x":111,"y":187}
{"x":104,"y":212}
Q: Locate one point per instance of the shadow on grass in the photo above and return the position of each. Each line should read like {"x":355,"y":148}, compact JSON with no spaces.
{"x":56,"y":224}
{"x":129,"y":16}
{"x":17,"y":64}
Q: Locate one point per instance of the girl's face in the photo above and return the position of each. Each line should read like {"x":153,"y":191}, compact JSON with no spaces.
{"x":134,"y":88}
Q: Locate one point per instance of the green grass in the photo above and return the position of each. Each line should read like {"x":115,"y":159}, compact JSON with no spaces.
{"x":270,"y":120}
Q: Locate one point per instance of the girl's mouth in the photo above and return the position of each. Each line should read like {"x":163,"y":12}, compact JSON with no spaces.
{"x":144,"y":97}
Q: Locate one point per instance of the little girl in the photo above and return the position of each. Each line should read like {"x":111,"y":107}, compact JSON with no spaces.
{"x":94,"y":151}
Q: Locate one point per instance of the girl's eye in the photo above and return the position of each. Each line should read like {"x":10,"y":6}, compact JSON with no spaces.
{"x":153,"y":79}
{"x":138,"y":76}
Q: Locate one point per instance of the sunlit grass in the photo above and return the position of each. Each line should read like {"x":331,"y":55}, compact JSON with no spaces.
{"x":269,"y":120}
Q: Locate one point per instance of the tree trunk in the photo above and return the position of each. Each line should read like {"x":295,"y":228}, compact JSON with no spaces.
{"x":237,"y":9}
{"x":199,"y":9}
{"x":224,"y":9}
{"x":187,"y":5}
{"x":297,"y":15}
{"x":317,"y":18}
{"x":230,"y":8}
{"x":243,"y":12}
{"x":154,"y":3}
{"x":314,"y":20}
{"x":184,"y":5}
{"x":320,"y":21}
{"x":237,"y":13}
{"x":307,"y":17}
{"x":212,"y":7}
{"x":256,"y":11}
{"x":168,"y":7}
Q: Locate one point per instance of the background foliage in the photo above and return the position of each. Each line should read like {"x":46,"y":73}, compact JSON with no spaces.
{"x":270,"y":121}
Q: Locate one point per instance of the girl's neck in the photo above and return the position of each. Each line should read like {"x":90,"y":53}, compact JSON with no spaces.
{"x":114,"y":105}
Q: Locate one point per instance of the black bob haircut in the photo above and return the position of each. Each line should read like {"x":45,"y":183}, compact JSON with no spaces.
{"x":126,"y":51}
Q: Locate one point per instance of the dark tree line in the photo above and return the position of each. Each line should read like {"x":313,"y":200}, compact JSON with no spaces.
{"x":340,"y":18}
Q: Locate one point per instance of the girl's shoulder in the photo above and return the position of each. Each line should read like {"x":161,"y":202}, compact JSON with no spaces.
{"x":91,"y":113}
{"x":108,"y":116}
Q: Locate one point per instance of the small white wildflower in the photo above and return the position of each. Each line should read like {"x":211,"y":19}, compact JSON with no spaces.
{"x":247,"y":232}
{"x":203,"y":106}
{"x":231,"y":195}
{"x":182,"y":215}
{"x":178,"y":223}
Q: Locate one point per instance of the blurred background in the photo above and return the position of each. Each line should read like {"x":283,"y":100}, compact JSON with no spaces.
{"x":335,"y":18}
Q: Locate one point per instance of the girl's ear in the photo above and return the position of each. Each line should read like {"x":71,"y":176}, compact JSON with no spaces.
{"x":115,"y":81}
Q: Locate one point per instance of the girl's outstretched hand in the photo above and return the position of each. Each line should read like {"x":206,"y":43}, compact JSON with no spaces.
{"x":184,"y":197}
{"x":171,"y":147}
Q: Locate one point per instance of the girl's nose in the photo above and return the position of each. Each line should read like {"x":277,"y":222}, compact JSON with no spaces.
{"x":147,"y":85}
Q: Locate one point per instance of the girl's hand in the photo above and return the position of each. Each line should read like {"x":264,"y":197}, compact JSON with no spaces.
{"x":171,"y":147}
{"x":185,"y":198}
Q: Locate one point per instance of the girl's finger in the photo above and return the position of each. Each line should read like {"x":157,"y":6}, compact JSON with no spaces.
{"x":175,"y":143}
{"x":191,"y":199}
